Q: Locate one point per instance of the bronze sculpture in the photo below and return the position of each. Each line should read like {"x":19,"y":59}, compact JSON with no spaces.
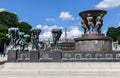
{"x":90,"y":21}
{"x":35,"y":38}
{"x":92,"y":18}
{"x":99,"y":23}
{"x":13,"y":34}
{"x":85,"y":27}
{"x":56,"y":33}
{"x":17,"y":38}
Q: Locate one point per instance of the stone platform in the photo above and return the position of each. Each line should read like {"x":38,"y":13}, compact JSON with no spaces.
{"x":67,"y":56}
{"x":61,"y":70}
{"x":93,"y":42}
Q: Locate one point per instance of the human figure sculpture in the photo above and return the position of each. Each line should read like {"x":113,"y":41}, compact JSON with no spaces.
{"x":35,"y":38}
{"x":56,"y":33}
{"x":42,"y":45}
{"x":22,"y":41}
{"x":27,"y":40}
{"x":99,"y":23}
{"x":90,"y":21}
{"x":85,"y":27}
{"x":13,"y":34}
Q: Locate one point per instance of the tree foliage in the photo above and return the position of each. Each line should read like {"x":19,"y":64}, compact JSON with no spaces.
{"x":3,"y":38}
{"x":7,"y":20}
{"x":114,"y":33}
{"x":25,"y":27}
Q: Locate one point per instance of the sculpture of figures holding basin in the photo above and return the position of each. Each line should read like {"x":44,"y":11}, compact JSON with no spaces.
{"x":92,"y":18}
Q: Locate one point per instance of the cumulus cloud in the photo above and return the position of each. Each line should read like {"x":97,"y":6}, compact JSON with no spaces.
{"x":39,"y":26}
{"x":46,"y":31}
{"x":104,"y":4}
{"x":46,"y":35}
{"x":47,"y":28}
{"x":66,"y":16}
{"x":72,"y":32}
{"x":2,"y":9}
{"x":50,"y":19}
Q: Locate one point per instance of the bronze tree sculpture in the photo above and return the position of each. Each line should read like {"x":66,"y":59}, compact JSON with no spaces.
{"x":13,"y":34}
{"x":35,"y":38}
{"x":56,"y":33}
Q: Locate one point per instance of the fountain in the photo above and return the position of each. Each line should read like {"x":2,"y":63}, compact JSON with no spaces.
{"x":93,"y":40}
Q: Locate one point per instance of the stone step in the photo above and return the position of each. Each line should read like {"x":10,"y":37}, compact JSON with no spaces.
{"x":63,"y":65}
{"x":38,"y":76}
{"x":59,"y":73}
{"x":61,"y":70}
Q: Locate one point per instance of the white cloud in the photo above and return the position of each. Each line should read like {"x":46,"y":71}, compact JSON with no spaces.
{"x":66,"y":16}
{"x":39,"y":26}
{"x":46,"y":31}
{"x":50,"y":19}
{"x":108,"y":4}
{"x":2,"y":9}
{"x":72,"y":32}
{"x":46,"y":35}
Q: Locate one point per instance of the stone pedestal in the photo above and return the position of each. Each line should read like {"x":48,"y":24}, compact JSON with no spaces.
{"x":56,"y":56}
{"x":23,"y":56}
{"x":93,"y":43}
{"x":12,"y":56}
{"x":34,"y":56}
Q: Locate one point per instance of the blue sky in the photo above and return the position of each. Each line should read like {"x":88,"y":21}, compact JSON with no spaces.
{"x":48,"y":14}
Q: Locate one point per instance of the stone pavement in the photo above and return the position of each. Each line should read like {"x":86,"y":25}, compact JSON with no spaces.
{"x":61,"y":70}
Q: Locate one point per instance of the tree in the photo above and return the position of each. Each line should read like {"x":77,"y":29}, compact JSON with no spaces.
{"x":25,"y":27}
{"x":118,"y":34}
{"x":8,"y":18}
{"x":114,"y":33}
{"x":3,"y":38}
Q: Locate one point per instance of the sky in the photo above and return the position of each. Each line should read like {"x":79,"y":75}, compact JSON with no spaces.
{"x":49,"y":14}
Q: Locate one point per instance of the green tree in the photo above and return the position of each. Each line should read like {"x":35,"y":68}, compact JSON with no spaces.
{"x":8,"y":18}
{"x":25,"y":27}
{"x":3,"y":38}
{"x":118,"y":34}
{"x":112,"y":32}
